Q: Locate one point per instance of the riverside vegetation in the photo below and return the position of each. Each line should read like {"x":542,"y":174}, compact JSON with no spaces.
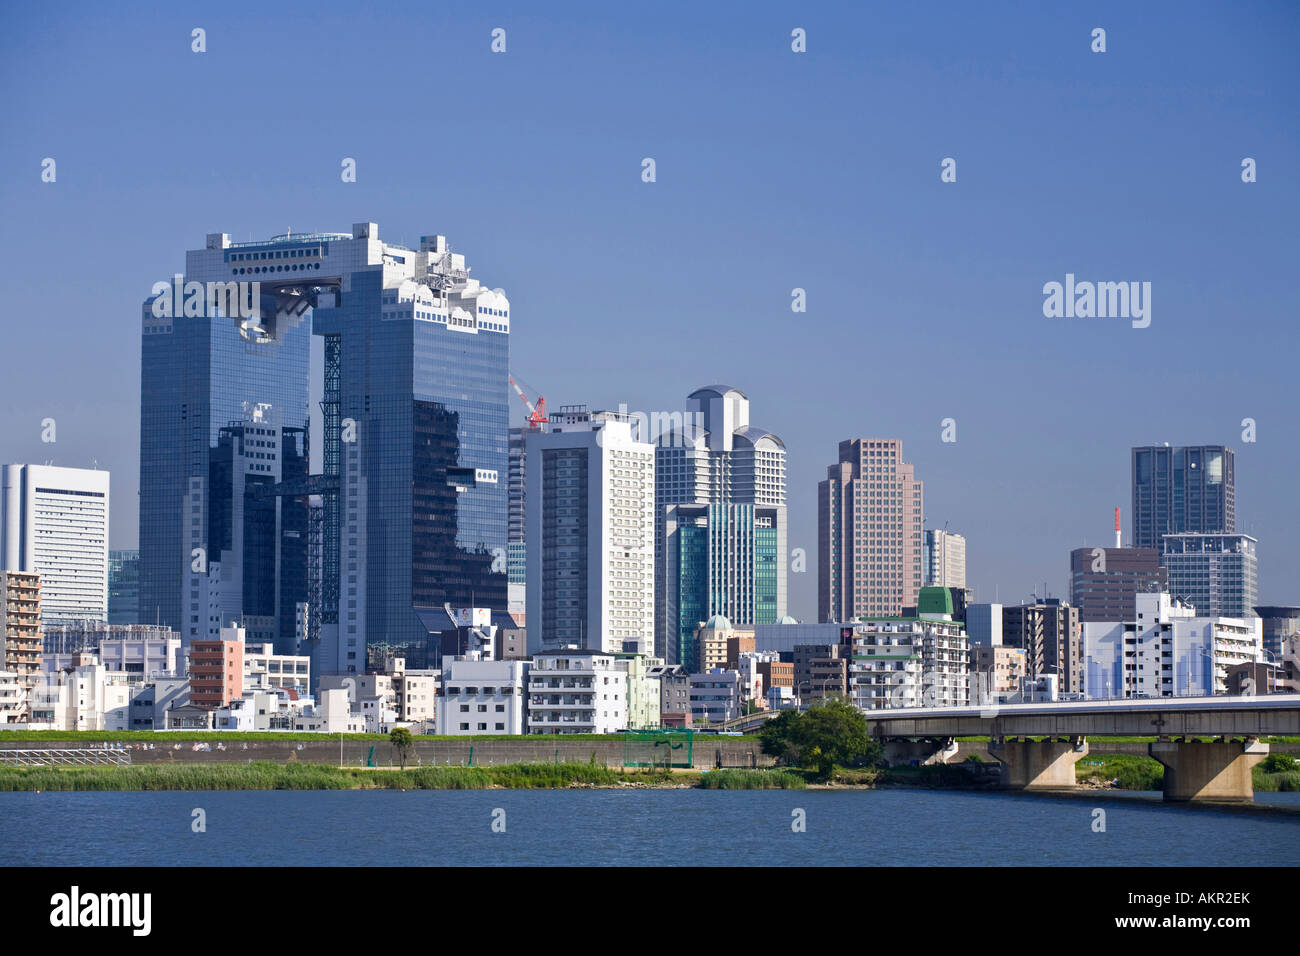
{"x":291,"y":776}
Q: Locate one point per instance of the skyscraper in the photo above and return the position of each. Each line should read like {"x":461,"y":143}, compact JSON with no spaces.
{"x":412,"y":485}
{"x":414,"y":439}
{"x":1177,"y":489}
{"x":124,"y":587}
{"x":54,"y":523}
{"x":516,"y":548}
{"x":223,"y":417}
{"x":590,"y":534}
{"x":870,"y":512}
{"x":720,"y":520}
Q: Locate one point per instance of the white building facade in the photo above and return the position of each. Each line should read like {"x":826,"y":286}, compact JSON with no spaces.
{"x":575,"y":692}
{"x":481,"y":697}
{"x":1169,"y":651}
{"x":945,"y":559}
{"x":590,"y":541}
{"x":54,"y":522}
{"x":904,"y":662}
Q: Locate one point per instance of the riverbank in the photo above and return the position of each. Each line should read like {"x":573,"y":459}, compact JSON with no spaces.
{"x":1105,"y":772}
{"x":300,"y":776}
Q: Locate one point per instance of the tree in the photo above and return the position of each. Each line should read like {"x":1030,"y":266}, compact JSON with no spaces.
{"x":831,"y":732}
{"x":401,"y":739}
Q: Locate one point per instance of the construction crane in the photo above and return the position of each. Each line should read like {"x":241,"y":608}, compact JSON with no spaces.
{"x":536,"y":413}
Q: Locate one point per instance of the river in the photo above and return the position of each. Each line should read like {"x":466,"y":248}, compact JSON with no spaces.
{"x":636,"y":827}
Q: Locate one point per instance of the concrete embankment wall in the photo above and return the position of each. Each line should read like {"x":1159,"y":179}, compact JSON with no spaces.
{"x":707,"y":752}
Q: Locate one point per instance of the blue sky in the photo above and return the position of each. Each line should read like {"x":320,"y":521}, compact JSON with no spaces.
{"x":775,"y":170}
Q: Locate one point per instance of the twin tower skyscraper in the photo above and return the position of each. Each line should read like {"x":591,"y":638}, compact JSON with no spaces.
{"x":404,"y":510}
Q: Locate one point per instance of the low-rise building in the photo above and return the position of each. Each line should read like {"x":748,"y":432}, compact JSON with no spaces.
{"x":644,"y":693}
{"x":576,"y":692}
{"x":674,"y":695}
{"x":13,"y":698}
{"x":264,"y":668}
{"x":332,"y":714}
{"x":88,"y":697}
{"x":150,"y":701}
{"x":995,"y":672}
{"x":820,"y":670}
{"x":753,"y":687}
{"x":142,"y":649}
{"x":715,"y":696}
{"x":482,"y":696}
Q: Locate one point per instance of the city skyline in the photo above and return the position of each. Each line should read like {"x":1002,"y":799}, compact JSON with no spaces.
{"x":893,"y":261}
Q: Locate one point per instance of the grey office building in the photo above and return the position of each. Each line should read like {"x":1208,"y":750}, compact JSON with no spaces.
{"x":1218,"y":574}
{"x":1279,"y":624}
{"x":1182,"y":489}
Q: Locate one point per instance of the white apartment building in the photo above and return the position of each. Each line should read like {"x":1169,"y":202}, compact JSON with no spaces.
{"x":12,"y":698}
{"x":576,"y":692}
{"x":331,"y":715}
{"x":909,"y":663}
{"x":644,"y":689}
{"x":148,"y":651}
{"x":411,"y":694}
{"x":90,"y":697}
{"x":945,"y":559}
{"x":54,"y":522}
{"x":1169,"y":651}
{"x":263,"y":668}
{"x":482,"y":697}
{"x":590,"y":540}
{"x":751,"y":678}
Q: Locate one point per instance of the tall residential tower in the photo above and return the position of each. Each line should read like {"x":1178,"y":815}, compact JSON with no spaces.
{"x":870,"y":513}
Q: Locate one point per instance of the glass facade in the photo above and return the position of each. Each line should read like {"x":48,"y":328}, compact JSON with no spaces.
{"x":123,"y":587}
{"x":199,"y":376}
{"x":1185,"y":489}
{"x":422,"y":405}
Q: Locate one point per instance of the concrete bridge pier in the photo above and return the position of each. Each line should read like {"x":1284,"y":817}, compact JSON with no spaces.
{"x":1216,"y":772}
{"x":1038,"y":764}
{"x":925,"y":751}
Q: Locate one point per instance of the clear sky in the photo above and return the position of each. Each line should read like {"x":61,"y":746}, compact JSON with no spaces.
{"x":775,"y":170}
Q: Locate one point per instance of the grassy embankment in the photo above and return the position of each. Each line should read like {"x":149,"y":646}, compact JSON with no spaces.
{"x":275,"y":776}
{"x":47,"y":737}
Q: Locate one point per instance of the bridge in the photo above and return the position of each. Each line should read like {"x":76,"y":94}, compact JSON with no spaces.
{"x":1039,"y":744}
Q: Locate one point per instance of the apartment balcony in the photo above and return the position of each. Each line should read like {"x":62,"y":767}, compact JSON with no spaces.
{"x":569,"y":702}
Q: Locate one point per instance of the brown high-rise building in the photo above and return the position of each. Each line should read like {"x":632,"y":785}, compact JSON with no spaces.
{"x":1105,"y":582}
{"x":21,"y":640}
{"x":870,"y":516}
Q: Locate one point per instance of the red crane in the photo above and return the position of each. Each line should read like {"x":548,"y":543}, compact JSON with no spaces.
{"x":536,"y":413}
